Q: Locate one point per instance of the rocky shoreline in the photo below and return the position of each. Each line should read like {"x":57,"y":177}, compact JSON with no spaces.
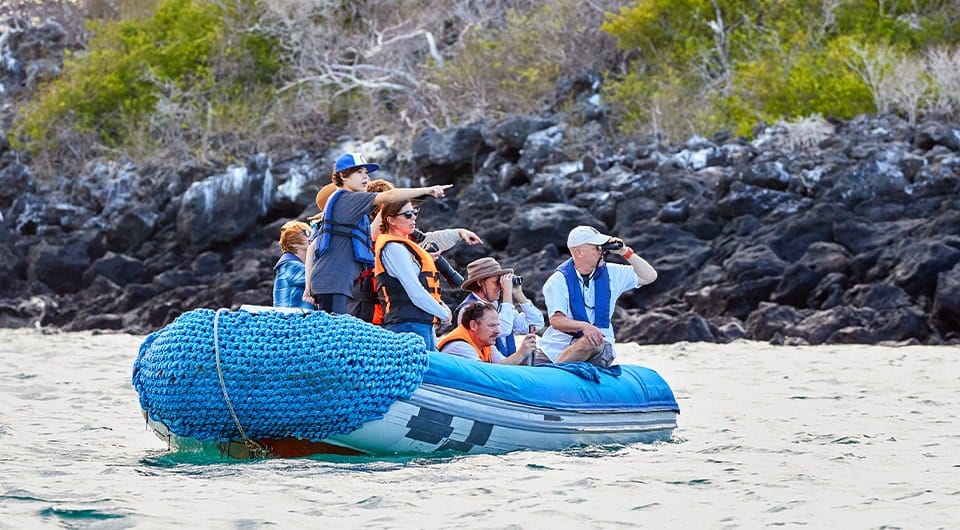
{"x":816,"y":232}
{"x":842,"y":232}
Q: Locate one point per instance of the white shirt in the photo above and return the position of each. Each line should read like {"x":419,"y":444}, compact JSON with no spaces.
{"x":622,"y":279}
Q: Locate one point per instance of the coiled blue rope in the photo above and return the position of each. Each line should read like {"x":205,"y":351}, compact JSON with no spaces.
{"x":306,"y":376}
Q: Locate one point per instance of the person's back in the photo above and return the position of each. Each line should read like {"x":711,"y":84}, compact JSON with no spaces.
{"x":290,"y":278}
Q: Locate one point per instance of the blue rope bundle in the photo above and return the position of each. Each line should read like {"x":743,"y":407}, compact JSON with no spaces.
{"x":306,"y":376}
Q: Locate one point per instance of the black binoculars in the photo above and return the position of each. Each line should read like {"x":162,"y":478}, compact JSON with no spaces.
{"x":517,"y":280}
{"x":612,"y":245}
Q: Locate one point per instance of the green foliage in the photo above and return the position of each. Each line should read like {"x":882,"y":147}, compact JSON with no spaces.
{"x":515,"y":68}
{"x":749,"y":60}
{"x":214,"y":78}
{"x":810,"y":83}
{"x":189,"y":53}
{"x":511,"y":60}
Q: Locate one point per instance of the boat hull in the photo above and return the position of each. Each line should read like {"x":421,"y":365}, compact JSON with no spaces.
{"x":442,"y":420}
{"x":279,"y":384}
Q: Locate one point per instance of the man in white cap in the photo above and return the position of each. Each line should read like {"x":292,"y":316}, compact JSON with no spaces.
{"x":581,"y":295}
{"x":341,"y":247}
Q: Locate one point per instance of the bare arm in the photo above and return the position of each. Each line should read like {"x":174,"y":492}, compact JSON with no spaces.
{"x":406,"y":194}
{"x":308,"y":270}
{"x":563,"y":323}
{"x":646,"y":274}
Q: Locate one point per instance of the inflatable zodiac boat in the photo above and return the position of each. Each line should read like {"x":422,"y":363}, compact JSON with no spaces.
{"x":254,"y":383}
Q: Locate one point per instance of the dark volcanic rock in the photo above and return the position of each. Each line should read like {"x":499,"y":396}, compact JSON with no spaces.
{"x":946,"y":303}
{"x":59,"y":266}
{"x":222,"y":208}
{"x":449,"y":156}
{"x":663,"y":328}
{"x":853,"y":238}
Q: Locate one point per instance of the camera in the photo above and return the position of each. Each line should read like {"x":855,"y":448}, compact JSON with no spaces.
{"x":612,"y":245}
{"x":453,"y":277}
{"x":517,"y":280}
{"x":417,"y":236}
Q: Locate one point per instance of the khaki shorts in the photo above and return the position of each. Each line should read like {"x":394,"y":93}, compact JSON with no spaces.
{"x":604,"y":357}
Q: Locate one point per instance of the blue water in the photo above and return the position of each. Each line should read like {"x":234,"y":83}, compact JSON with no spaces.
{"x":815,"y":437}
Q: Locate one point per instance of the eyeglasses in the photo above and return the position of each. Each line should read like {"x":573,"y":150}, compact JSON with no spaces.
{"x":409,"y":214}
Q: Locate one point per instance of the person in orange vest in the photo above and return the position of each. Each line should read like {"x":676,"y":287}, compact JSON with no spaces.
{"x":366,"y":304}
{"x":407,"y":277}
{"x":476,"y":334}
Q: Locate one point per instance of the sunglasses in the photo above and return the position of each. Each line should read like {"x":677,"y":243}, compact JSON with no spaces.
{"x":409,"y":214}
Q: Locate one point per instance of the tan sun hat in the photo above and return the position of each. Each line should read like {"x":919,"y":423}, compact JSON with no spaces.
{"x":480,"y":269}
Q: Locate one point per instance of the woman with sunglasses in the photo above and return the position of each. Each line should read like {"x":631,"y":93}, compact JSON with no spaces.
{"x":407,"y":278}
{"x":365,"y":302}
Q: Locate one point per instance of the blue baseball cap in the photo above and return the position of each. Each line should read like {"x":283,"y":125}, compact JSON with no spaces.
{"x":352,"y":160}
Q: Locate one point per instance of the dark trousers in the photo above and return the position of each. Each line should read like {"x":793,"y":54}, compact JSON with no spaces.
{"x":332,"y":303}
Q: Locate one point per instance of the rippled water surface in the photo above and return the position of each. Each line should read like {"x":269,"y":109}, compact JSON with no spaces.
{"x":830,"y":436}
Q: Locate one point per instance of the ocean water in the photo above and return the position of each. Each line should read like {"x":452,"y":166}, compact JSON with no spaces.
{"x":814,"y":437}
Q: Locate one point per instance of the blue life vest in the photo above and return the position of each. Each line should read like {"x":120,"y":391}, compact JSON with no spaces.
{"x":358,"y":234}
{"x":601,"y":307}
{"x":505,"y":345}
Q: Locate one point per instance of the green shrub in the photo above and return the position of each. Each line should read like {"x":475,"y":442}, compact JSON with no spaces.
{"x":759,"y":60}
{"x":515,"y":68}
{"x":190,"y":55}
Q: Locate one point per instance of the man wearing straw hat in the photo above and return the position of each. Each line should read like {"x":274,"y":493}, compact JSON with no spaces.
{"x":582,"y":293}
{"x":488,"y":282}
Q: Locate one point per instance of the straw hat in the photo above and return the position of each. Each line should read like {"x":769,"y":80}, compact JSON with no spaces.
{"x":480,"y":269}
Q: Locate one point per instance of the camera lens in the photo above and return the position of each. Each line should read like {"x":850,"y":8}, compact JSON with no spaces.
{"x":517,"y":280}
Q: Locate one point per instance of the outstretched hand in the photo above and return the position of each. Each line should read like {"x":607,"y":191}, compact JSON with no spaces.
{"x":469,"y":237}
{"x":439,"y":190}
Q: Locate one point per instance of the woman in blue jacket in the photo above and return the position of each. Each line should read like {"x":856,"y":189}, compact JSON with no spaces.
{"x":289,"y":283}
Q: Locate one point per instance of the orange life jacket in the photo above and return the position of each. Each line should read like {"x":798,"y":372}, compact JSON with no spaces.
{"x":397,"y":306}
{"x":461,"y":333}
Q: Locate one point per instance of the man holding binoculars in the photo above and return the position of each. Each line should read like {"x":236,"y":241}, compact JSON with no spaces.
{"x":581,"y":295}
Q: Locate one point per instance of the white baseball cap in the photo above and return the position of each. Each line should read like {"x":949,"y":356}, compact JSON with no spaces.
{"x":586,"y":235}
